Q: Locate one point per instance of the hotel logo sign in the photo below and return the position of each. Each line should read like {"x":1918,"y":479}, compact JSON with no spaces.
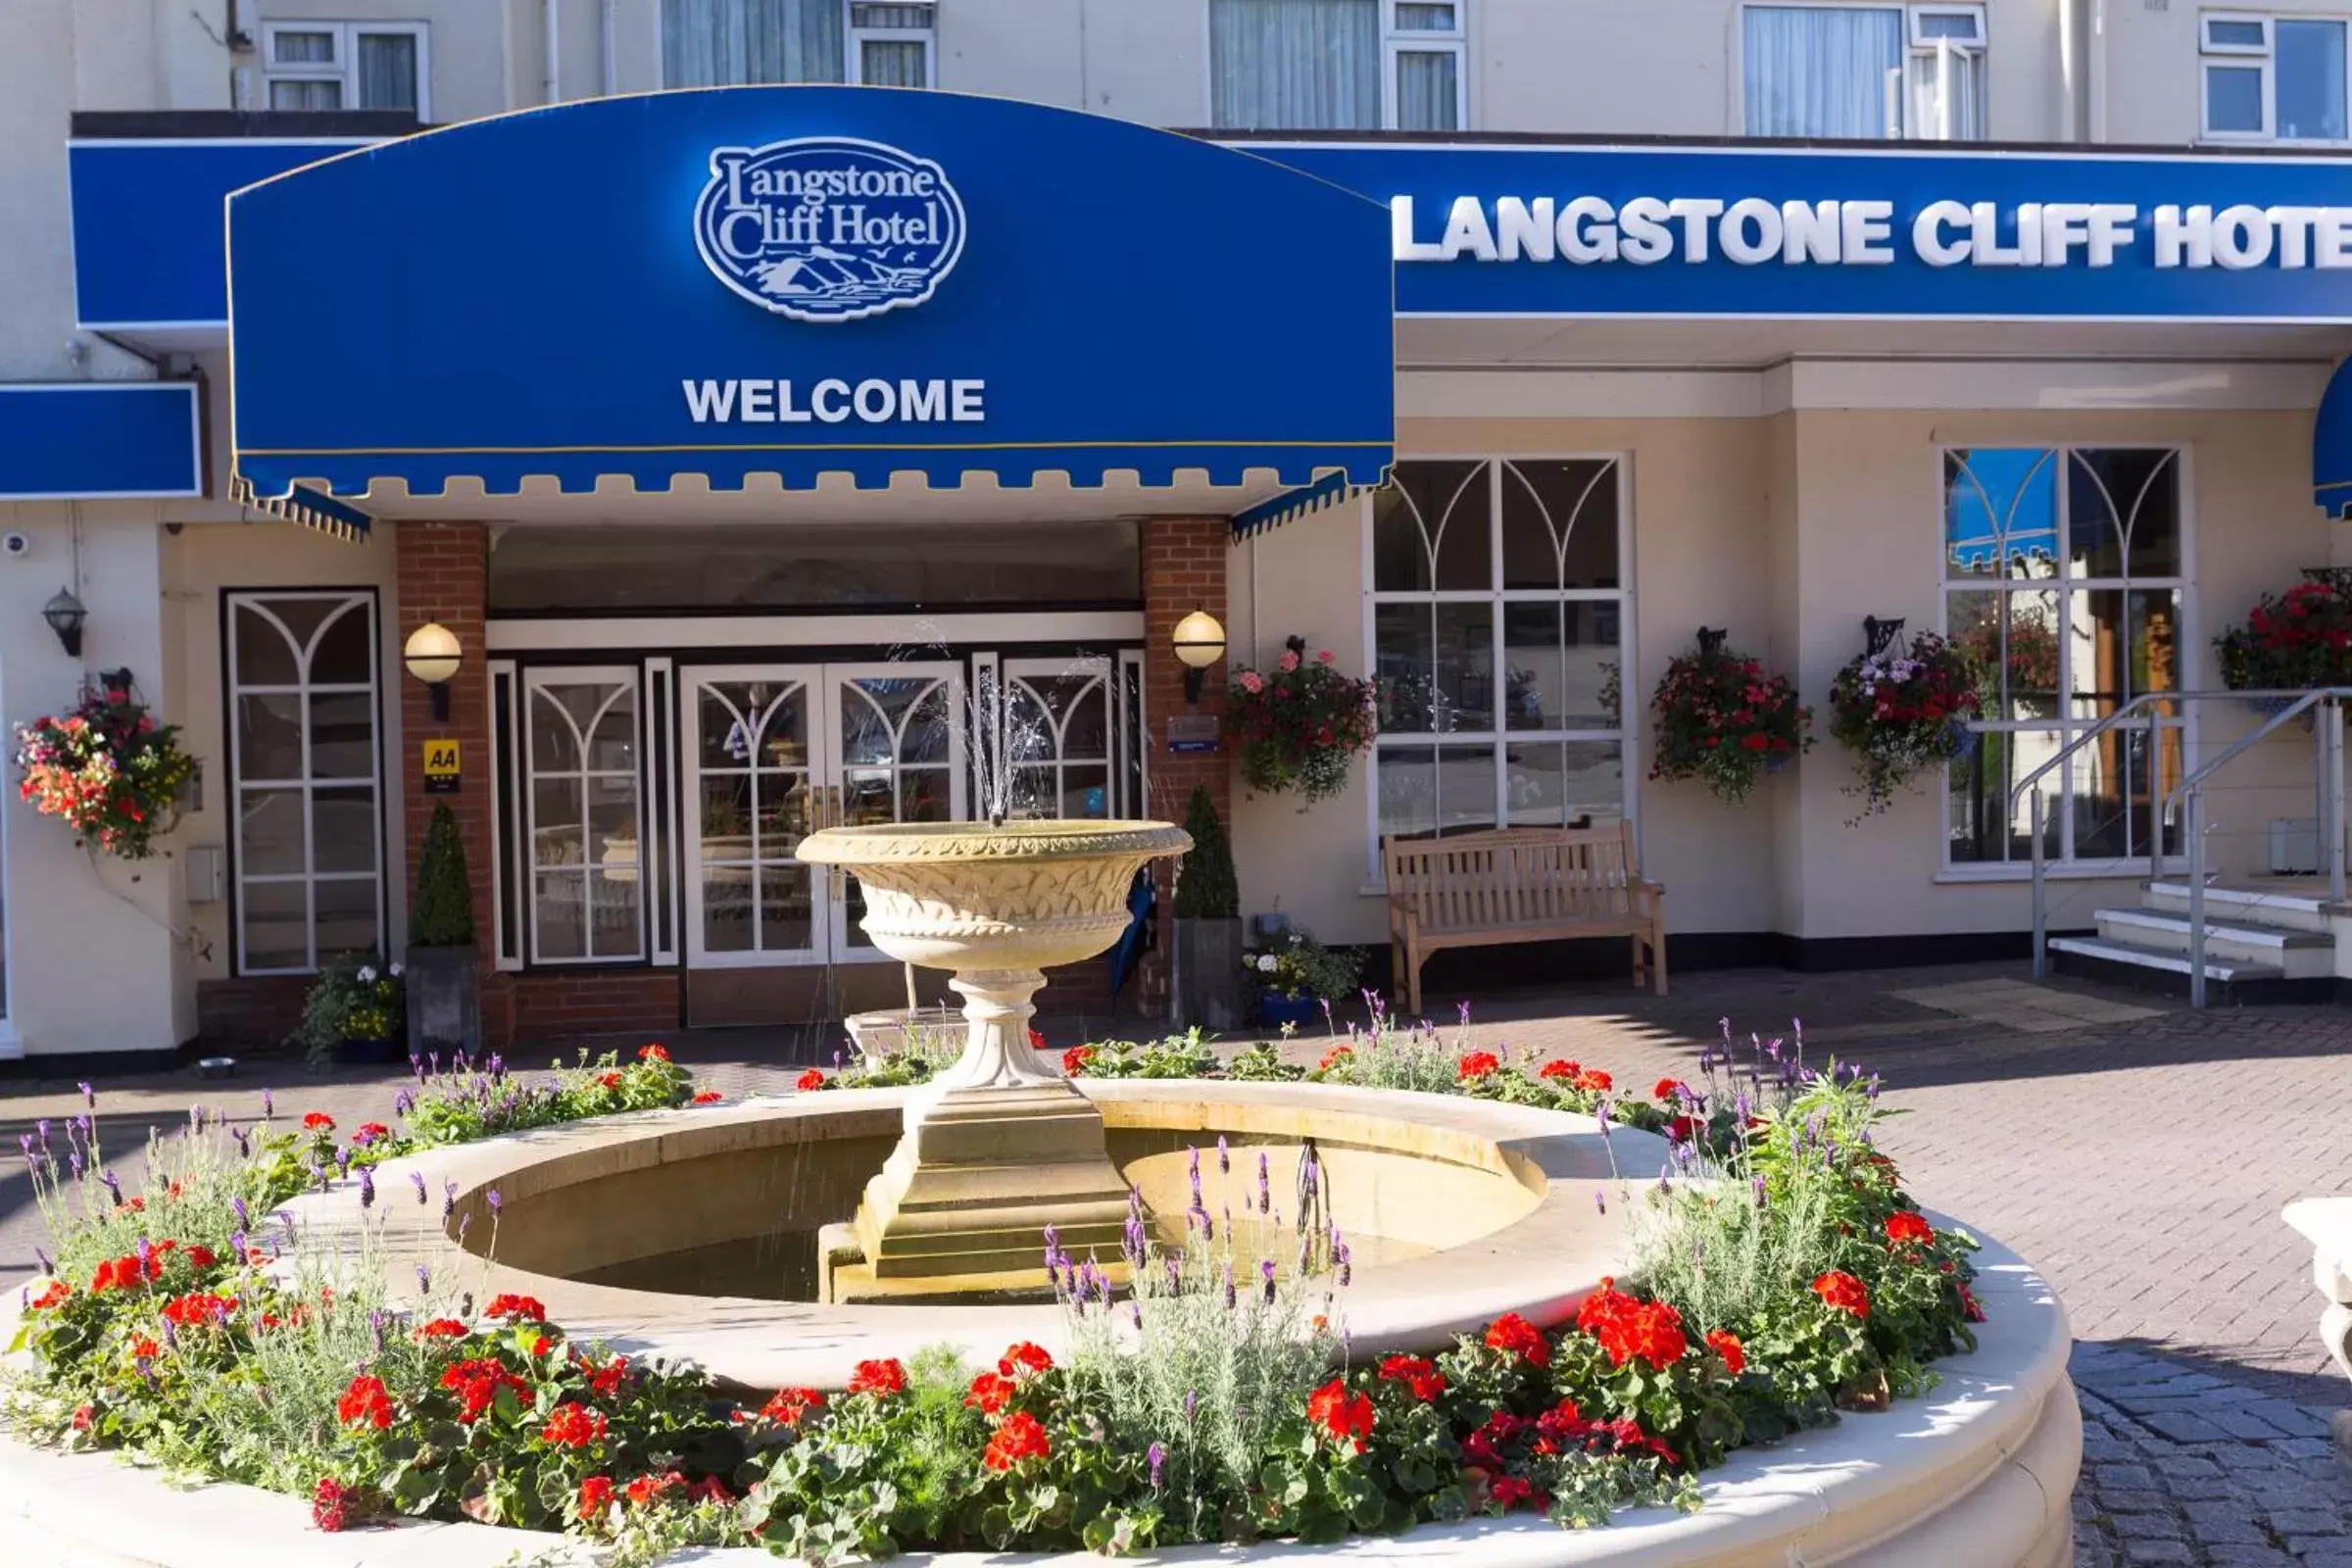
{"x":828,"y":228}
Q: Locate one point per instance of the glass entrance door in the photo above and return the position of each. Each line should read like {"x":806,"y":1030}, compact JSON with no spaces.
{"x":774,"y":751}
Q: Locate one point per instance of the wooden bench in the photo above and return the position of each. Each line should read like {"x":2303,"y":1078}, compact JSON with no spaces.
{"x":1519,"y":884}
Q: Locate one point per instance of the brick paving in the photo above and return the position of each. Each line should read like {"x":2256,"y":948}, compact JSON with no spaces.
{"x":2135,"y":1152}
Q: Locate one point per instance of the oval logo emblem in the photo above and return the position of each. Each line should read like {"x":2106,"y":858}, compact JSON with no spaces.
{"x":828,"y":228}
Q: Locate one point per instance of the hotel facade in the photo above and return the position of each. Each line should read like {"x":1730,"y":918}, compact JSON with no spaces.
{"x":748,"y":384}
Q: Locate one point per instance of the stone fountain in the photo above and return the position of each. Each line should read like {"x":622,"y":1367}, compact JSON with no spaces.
{"x":1000,"y":1144}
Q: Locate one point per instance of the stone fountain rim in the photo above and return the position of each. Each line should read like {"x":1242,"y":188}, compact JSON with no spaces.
{"x":1980,"y":1470}
{"x":1035,"y":839}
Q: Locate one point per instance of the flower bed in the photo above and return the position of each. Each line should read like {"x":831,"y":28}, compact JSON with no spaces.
{"x":1220,"y":1402}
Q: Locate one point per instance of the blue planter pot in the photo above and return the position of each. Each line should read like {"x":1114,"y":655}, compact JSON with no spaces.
{"x":1274,"y":1010}
{"x":366,"y":1051}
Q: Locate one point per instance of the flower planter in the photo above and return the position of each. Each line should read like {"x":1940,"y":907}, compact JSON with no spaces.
{"x":1210,"y":990}
{"x":445,"y":1000}
{"x":363,"y":1052}
{"x":1275,"y":1009}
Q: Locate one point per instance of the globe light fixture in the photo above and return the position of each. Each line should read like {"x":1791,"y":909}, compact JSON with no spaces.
{"x":434,"y":657}
{"x":1200,"y":643}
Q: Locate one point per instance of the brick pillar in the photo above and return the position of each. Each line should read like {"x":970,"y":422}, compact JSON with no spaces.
{"x":443,"y":572}
{"x":1185,"y":561}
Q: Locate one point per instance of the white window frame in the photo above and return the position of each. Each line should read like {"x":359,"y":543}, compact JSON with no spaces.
{"x":2187,"y":674}
{"x":1396,"y":40}
{"x":853,"y":65}
{"x":1625,"y":736}
{"x":345,"y":67}
{"x":624,"y":678}
{"x":303,"y":689}
{"x":1101,"y":669}
{"x":1916,"y":46}
{"x":2264,"y":57}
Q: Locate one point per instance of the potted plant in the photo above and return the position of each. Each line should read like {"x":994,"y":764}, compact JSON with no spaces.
{"x":1722,"y":720}
{"x":352,"y":1012}
{"x":1296,"y":975}
{"x":1209,"y":925}
{"x":108,"y":768}
{"x":1901,"y":711}
{"x":444,"y":983}
{"x":2294,"y":641}
{"x":1300,"y":723}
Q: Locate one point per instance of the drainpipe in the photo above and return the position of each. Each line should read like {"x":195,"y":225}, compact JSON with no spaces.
{"x":551,"y":32}
{"x":611,"y":48}
{"x":2097,"y":45}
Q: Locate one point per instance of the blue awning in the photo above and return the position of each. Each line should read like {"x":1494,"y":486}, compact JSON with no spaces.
{"x":2331,"y":446}
{"x":308,"y":507}
{"x":101,"y":440}
{"x":712,"y":286}
{"x":1329,"y":490}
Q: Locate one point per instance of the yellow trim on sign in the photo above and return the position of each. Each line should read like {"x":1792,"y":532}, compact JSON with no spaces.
{"x":846,"y":446}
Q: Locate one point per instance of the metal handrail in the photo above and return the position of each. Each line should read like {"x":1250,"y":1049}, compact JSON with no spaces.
{"x":2299,"y":698}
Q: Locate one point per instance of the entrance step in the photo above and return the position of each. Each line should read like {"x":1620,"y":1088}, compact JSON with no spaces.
{"x":2154,"y":968}
{"x":2296,"y":954}
{"x":2292,"y":910}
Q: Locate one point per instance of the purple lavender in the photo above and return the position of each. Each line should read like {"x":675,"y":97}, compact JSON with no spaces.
{"x":47,"y":1267}
{"x":424,"y":1280}
{"x":1135,"y":1312}
{"x":343,"y":1163}
{"x":244,"y":1144}
{"x":1192,"y":1405}
{"x":1224,"y":1156}
{"x":89,"y":1096}
{"x":1346,"y":1262}
{"x":1266,"y":1185}
{"x":41,"y":1129}
{"x":496,"y":1203}
{"x":417,"y":1066}
{"x":464,"y":1221}
{"x":1231,"y":1299}
{"x":1156,"y":1458}
{"x":114,"y":1188}
{"x":268,"y":1105}
{"x":448,"y":1197}
{"x":366,"y":1188}
{"x":236,"y":1207}
{"x":24,"y":1142}
{"x":146,"y":1254}
{"x":236,"y":1245}
{"x":1265,"y":1272}
{"x":1196,"y":1175}
{"x":416,"y":1180}
{"x":73,"y":1163}
{"x":1600,"y":1199}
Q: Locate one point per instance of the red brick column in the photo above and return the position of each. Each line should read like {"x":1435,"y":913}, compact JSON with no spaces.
{"x":443,"y":572}
{"x":1185,"y":561}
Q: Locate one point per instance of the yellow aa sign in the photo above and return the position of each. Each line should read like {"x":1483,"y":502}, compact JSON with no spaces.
{"x":441,"y":766}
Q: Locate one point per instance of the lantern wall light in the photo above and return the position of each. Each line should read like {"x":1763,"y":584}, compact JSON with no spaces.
{"x":1200,"y":643}
{"x":433,"y":656}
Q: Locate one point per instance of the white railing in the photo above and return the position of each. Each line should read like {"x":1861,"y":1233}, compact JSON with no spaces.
{"x":2188,"y":798}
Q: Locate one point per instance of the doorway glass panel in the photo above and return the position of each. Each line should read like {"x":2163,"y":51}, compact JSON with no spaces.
{"x":900,"y":741}
{"x":755,"y":797}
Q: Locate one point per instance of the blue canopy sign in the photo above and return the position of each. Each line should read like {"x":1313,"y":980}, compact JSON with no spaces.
{"x":802,"y":281}
{"x":1759,"y":231}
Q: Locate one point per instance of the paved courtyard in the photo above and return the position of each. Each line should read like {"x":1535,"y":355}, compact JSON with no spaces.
{"x":2138,"y":1152}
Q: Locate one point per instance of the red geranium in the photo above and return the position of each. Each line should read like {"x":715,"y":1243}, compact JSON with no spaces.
{"x":1333,"y":1057}
{"x":517,"y":1308}
{"x":1019,"y":1438}
{"x":108,"y":768}
{"x":1477,"y":1064}
{"x":649,"y":1488}
{"x":477,"y":1382}
{"x":1593,"y":1081}
{"x":197,"y":1308}
{"x":788,"y":1405}
{"x":1667,"y":1089}
{"x":1024,"y":1357}
{"x":1344,"y":1418}
{"x":331,"y":1505}
{"x":1631,"y":1329}
{"x":1418,"y":1374}
{"x":1298,"y":724}
{"x":1559,"y":1068}
{"x":1718,"y":716}
{"x":369,"y":1132}
{"x":442,"y":1328}
{"x":653,"y":1053}
{"x":596,"y":1495}
{"x":991,"y":1391}
{"x":318,"y":1121}
{"x":1516,"y":1335}
{"x":52,"y":1292}
{"x":708,"y":1097}
{"x":1905,"y":1226}
{"x":1077,"y":1059}
{"x":572,"y":1425}
{"x":879,"y":1378}
{"x":811,"y":1079}
{"x":366,"y":1404}
{"x":609,"y":1080}
{"x":1842,"y":1292}
{"x":1729,"y":1348}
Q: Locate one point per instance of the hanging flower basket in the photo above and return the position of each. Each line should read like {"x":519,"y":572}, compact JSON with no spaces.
{"x":2294,"y":641}
{"x":1902,"y":711}
{"x":108,"y":768}
{"x":1722,"y":720}
{"x":1300,"y":724}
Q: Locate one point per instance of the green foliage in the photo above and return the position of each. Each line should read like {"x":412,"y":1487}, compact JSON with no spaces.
{"x":1295,"y":964}
{"x":1205,"y":885}
{"x":443,"y":913}
{"x":356,"y":996}
{"x":472,"y":1101}
{"x":1184,"y":1055}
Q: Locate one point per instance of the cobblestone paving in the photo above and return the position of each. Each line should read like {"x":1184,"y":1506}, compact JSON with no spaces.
{"x":2136,"y":1152}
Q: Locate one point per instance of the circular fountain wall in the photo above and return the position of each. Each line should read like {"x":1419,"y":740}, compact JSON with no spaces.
{"x":692,"y":1233}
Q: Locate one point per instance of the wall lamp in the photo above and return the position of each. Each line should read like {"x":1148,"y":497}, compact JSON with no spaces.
{"x":434,"y":657}
{"x":1200,"y":643}
{"x":65,"y":615}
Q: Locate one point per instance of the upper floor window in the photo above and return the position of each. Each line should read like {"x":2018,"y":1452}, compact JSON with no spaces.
{"x":1873,"y":72}
{"x":719,"y":43}
{"x":2273,"y":78}
{"x":1337,"y":65}
{"x":345,"y":65}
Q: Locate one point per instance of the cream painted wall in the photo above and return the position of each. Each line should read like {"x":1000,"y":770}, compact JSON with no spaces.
{"x":1861,"y":475}
{"x":201,"y":562}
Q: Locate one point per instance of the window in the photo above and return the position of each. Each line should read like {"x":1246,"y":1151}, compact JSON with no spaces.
{"x":1889,"y":71}
{"x":2273,"y":78}
{"x":1338,"y":64}
{"x":720,"y":43}
{"x":1058,"y":736}
{"x":1496,"y":616}
{"x":302,"y":762}
{"x":346,"y":65}
{"x":580,"y":733}
{"x":2066,"y":579}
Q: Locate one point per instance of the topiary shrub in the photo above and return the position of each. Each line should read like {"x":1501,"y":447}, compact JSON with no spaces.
{"x":443,"y":914}
{"x":1205,"y":885}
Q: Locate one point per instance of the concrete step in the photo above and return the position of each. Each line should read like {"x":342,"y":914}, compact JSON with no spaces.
{"x":2245,"y":906}
{"x":2228,"y":981}
{"x":2297,"y":954}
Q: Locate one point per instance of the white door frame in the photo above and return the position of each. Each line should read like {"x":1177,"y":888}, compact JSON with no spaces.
{"x":809,"y":680}
{"x":844,"y":948}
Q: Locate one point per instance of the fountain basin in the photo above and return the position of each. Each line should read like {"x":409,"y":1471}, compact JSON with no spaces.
{"x":1457,"y":1210}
